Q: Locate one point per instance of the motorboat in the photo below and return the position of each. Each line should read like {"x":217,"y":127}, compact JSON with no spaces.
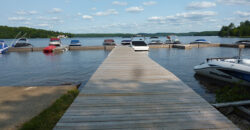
{"x":49,"y":49}
{"x":75,"y":43}
{"x":232,"y":70}
{"x":139,"y":44}
{"x":3,"y":47}
{"x":55,"y":42}
{"x":200,"y":41}
{"x":109,"y":42}
{"x":243,"y":42}
{"x":22,"y":42}
{"x":155,"y":42}
{"x":172,"y":39}
{"x":126,"y":42}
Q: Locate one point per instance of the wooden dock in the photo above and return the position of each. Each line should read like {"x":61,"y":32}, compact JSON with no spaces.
{"x":131,"y":91}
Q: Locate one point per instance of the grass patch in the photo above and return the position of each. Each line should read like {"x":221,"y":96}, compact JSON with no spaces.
{"x":48,"y":118}
{"x":232,"y":93}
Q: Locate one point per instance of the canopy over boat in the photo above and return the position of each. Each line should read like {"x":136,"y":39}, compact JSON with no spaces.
{"x":75,"y":41}
{"x":1,"y":41}
{"x":54,"y":39}
{"x":126,"y":40}
{"x":109,"y":40}
{"x":201,"y":40}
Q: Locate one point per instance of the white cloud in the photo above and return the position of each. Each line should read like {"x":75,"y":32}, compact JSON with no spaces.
{"x":43,"y":25}
{"x":157,"y":19}
{"x":22,"y":12}
{"x":56,"y":10}
{"x":198,"y":14}
{"x":201,"y":5}
{"x":235,"y":2}
{"x":134,"y":9}
{"x":149,"y":3}
{"x":50,"y":19}
{"x":107,"y":12}
{"x":243,"y":14}
{"x":93,"y":9}
{"x":181,"y":18}
{"x":19,"y":19}
{"x":119,"y":3}
{"x":88,"y":17}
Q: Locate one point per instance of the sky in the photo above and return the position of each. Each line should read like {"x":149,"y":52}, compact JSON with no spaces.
{"x":124,"y":16}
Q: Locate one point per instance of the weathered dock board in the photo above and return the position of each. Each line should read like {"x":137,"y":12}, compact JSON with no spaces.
{"x":131,"y":91}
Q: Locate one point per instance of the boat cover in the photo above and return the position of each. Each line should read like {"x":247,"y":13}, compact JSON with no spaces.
{"x":75,"y":41}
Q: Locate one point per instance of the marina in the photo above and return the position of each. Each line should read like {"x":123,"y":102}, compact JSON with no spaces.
{"x":143,"y":95}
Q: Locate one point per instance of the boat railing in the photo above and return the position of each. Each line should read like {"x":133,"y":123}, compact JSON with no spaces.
{"x":222,"y":58}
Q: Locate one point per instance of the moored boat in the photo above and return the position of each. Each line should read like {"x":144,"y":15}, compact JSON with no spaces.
{"x":22,"y":42}
{"x":200,"y":41}
{"x":109,"y":42}
{"x":139,"y":45}
{"x":55,"y":42}
{"x":49,"y":49}
{"x":243,"y":42}
{"x":3,"y":47}
{"x":155,"y":42}
{"x":75,"y":43}
{"x":231,"y":70}
{"x":126,"y":42}
{"x":172,"y":39}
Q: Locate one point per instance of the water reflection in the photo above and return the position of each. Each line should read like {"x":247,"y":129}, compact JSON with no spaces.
{"x":181,"y":63}
{"x":38,"y":69}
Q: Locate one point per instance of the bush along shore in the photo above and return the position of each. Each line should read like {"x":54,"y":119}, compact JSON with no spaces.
{"x":234,"y":92}
{"x":48,"y":118}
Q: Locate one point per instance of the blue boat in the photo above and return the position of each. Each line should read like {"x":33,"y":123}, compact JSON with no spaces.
{"x":200,"y":41}
{"x":3,"y":47}
{"x":75,"y":43}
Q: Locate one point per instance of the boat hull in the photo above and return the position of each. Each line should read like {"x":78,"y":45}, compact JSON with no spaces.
{"x":49,"y":49}
{"x":23,"y":45}
{"x":75,"y":45}
{"x":4,"y":50}
{"x":224,"y":74}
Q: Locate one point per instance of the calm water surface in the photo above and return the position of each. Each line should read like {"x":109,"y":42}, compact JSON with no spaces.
{"x":38,"y":69}
{"x":181,"y":63}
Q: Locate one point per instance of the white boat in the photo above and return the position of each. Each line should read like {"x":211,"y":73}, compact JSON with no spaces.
{"x":22,"y":42}
{"x":3,"y":47}
{"x":231,"y":70}
{"x":155,"y":41}
{"x":139,"y":45}
{"x":55,"y":42}
{"x":172,"y":39}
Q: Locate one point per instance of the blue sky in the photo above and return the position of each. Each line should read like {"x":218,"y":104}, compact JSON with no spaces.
{"x":124,"y":16}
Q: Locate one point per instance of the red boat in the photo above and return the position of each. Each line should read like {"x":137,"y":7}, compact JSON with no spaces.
{"x":49,"y":49}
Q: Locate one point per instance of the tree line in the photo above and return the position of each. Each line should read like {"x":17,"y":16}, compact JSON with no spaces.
{"x":243,"y":30}
{"x":11,"y":32}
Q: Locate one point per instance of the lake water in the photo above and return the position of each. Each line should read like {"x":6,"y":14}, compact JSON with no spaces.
{"x":38,"y":69}
{"x":42,"y":42}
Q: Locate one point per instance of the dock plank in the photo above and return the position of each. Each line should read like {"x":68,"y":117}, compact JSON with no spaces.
{"x":131,"y":91}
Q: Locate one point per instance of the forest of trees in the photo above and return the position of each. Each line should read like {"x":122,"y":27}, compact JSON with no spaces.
{"x":231,"y":30}
{"x":11,"y":32}
{"x":243,"y":30}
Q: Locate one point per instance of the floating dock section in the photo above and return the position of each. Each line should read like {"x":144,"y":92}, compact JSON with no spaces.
{"x":131,"y":91}
{"x":179,"y":46}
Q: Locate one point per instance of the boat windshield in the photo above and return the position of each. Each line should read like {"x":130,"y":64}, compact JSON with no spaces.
{"x":139,"y":43}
